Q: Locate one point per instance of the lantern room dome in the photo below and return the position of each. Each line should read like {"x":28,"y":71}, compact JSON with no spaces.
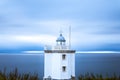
{"x":60,"y":39}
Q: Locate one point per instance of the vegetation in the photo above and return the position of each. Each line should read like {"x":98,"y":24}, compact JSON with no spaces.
{"x":92,"y":76}
{"x":14,"y":75}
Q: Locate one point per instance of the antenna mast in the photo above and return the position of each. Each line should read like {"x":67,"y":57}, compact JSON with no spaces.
{"x":69,"y":37}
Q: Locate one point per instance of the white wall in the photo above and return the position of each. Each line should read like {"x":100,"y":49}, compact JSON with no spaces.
{"x":53,"y":65}
{"x":73,"y":64}
{"x":47,"y":65}
{"x":66,"y":74}
{"x":56,"y":65}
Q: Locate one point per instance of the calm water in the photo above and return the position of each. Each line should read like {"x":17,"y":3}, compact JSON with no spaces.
{"x":88,"y":62}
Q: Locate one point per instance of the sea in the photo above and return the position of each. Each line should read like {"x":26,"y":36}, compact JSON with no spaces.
{"x":97,"y":63}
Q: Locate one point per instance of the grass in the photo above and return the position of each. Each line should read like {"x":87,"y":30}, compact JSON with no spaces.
{"x":92,"y":76}
{"x":15,"y":75}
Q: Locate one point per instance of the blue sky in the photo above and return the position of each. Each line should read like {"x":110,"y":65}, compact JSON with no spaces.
{"x":31,"y":24}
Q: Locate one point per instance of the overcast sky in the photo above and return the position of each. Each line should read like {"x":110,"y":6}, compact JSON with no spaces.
{"x":31,"y":24}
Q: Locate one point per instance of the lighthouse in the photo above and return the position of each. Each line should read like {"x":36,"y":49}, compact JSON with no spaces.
{"x":59,"y":61}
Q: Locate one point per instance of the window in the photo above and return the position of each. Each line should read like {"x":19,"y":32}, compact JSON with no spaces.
{"x":64,"y":68}
{"x":63,"y":56}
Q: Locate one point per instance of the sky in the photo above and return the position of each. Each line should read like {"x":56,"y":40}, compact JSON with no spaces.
{"x":32,"y":24}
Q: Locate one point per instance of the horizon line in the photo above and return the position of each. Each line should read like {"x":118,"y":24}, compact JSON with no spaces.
{"x":77,"y":52}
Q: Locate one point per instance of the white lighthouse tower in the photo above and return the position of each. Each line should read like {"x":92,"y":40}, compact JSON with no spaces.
{"x":59,"y":61}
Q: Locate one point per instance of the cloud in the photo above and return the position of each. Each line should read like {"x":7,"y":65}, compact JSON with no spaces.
{"x":77,"y":9}
{"x":33,"y":22}
{"x":19,"y":40}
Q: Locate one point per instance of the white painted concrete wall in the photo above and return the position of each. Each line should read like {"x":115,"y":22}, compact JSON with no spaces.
{"x":56,"y":62}
{"x":73,"y":64}
{"x":53,"y":65}
{"x":47,"y":65}
{"x":66,"y":74}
